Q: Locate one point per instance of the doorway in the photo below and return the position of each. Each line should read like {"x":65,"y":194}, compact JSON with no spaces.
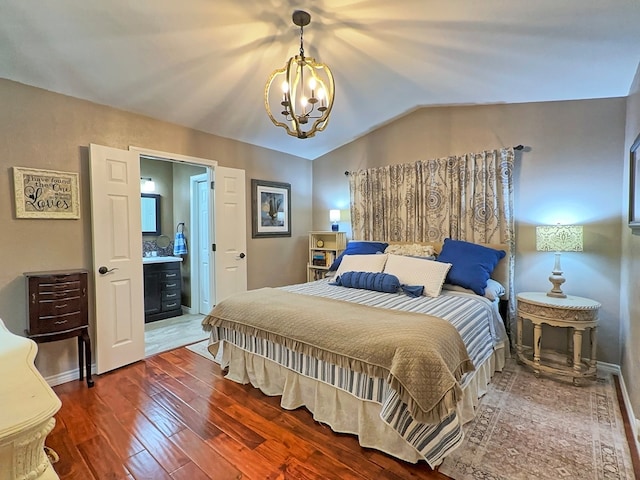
{"x":117,"y":238}
{"x":184,"y":226}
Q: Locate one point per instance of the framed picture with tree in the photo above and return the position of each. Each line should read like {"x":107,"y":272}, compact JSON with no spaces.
{"x":270,"y":209}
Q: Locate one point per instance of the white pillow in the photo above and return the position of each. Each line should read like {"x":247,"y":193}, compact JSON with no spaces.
{"x":362,"y":263}
{"x":418,"y":271}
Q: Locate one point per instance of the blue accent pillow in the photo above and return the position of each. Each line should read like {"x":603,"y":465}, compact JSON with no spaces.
{"x":359,"y":248}
{"x":378,"y":281}
{"x":471,"y":264}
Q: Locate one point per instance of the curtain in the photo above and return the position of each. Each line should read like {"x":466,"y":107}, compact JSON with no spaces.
{"x":468,"y":197}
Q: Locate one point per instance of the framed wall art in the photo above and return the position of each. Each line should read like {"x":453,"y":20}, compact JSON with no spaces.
{"x":634,"y":185}
{"x":46,"y":194}
{"x":270,"y":209}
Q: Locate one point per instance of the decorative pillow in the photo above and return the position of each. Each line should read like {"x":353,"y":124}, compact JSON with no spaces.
{"x":418,"y":271}
{"x":379,"y":282}
{"x":359,"y":248}
{"x":362,"y":263}
{"x":492,"y":291}
{"x":471,"y":264}
{"x":412,"y":250}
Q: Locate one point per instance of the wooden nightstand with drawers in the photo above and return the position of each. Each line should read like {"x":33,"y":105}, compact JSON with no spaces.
{"x":57,"y":304}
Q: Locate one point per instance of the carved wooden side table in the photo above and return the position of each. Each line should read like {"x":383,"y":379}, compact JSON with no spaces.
{"x":577,"y":314}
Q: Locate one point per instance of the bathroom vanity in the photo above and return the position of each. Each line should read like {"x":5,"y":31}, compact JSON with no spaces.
{"x":162,"y":288}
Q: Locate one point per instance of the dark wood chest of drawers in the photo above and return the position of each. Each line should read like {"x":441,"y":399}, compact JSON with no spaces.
{"x":57,"y":305}
{"x":162,"y":291}
{"x":57,"y":301}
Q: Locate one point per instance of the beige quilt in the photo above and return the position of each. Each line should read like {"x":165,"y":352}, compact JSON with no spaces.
{"x":422,"y":357}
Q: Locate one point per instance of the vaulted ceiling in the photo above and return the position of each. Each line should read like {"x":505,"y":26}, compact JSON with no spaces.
{"x":204,"y":63}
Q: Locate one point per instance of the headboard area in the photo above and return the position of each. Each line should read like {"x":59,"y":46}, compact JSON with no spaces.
{"x":500,"y":273}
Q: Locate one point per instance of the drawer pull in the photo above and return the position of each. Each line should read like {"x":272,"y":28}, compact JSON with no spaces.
{"x":171,"y":295}
{"x":170,"y":275}
{"x":171,"y":285}
{"x":61,"y":306}
{"x":60,"y":322}
{"x":171,"y":305}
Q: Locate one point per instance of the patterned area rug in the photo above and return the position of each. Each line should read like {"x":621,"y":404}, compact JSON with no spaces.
{"x":543,"y":428}
{"x":201,"y":349}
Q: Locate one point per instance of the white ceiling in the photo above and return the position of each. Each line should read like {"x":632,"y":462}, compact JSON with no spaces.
{"x":204,"y":63}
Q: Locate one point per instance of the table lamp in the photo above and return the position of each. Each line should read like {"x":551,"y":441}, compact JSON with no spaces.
{"x":558,"y":238}
{"x":334,"y":217}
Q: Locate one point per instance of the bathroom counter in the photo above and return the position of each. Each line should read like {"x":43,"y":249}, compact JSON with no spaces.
{"x":160,"y":259}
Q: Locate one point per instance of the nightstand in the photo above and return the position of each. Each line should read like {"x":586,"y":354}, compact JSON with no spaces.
{"x":576,"y":314}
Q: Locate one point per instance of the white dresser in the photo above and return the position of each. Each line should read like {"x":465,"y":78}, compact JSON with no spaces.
{"x":27,"y":407}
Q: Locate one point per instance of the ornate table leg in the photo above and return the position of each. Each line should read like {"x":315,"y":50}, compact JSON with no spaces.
{"x":537,"y":340}
{"x":569,"y":346}
{"x":577,"y":355}
{"x":594,"y":340}
{"x":519,"y":339}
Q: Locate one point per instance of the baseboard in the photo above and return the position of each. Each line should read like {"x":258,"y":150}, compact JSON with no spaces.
{"x":64,"y":377}
{"x":615,"y":369}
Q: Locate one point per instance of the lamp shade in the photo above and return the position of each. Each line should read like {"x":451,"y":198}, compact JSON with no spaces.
{"x":334,"y":215}
{"x":559,"y":238}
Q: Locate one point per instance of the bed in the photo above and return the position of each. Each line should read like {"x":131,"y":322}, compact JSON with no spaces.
{"x":401,"y":372}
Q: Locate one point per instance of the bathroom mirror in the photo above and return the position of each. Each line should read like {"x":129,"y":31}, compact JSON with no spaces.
{"x":150,"y":203}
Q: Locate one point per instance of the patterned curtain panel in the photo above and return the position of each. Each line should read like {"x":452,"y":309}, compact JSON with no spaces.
{"x":469,"y":197}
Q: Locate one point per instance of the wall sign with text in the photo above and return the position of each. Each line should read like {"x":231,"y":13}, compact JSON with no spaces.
{"x":46,"y":193}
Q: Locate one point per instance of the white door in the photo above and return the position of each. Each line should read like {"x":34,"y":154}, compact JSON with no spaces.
{"x":204,"y":246}
{"x":230,"y":232}
{"x":117,"y":257}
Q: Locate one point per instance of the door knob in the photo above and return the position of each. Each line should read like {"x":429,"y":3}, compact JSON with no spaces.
{"x":103,"y":270}
{"x":242,"y":255}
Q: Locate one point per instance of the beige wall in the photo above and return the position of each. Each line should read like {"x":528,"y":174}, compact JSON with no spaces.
{"x":40,"y":129}
{"x":630,"y":306}
{"x":571,"y":172}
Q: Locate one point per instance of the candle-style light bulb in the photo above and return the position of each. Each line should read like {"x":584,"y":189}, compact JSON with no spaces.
{"x":285,"y":90}
{"x":312,"y":86}
{"x":321,"y":96}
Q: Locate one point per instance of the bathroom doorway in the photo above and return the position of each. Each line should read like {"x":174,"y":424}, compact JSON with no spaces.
{"x":116,"y":214}
{"x":185,"y":221}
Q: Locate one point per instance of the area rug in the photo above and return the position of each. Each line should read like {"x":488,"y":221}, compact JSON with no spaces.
{"x":543,"y":428}
{"x":201,"y":349}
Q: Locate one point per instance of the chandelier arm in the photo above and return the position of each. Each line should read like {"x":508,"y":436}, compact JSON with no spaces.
{"x":290,"y":109}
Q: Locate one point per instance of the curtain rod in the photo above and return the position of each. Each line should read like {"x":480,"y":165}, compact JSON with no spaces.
{"x":517,"y":147}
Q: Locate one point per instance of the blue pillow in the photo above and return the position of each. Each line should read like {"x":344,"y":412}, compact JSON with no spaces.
{"x":359,"y":248}
{"x":471,"y":264}
{"x":377,"y":281}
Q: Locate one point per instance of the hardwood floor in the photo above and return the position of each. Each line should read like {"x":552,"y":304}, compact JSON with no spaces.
{"x":173,"y":416}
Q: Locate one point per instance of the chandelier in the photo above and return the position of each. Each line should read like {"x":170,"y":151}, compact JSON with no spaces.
{"x":301,"y":92}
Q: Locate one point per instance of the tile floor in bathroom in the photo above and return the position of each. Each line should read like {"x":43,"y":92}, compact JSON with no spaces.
{"x":172,"y":333}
